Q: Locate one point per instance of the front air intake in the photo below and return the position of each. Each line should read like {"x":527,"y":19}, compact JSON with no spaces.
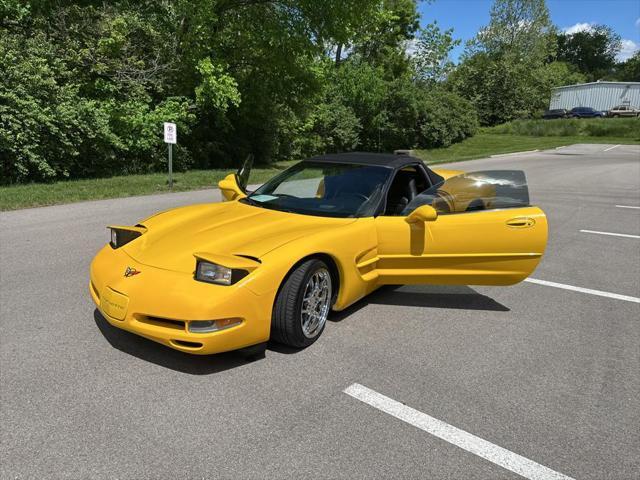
{"x":182,"y":343}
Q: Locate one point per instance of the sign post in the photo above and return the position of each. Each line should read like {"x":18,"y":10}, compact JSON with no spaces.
{"x":170,"y":137}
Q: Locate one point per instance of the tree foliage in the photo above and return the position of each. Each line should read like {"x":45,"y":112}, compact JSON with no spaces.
{"x":519,"y":30}
{"x":629,"y":71}
{"x":592,"y":51}
{"x":508,"y":69}
{"x":87,"y":84}
{"x":431,"y":58}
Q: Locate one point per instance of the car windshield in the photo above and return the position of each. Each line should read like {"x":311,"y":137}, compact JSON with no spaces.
{"x":324,"y":189}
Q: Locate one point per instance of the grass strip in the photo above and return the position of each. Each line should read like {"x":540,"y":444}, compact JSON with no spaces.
{"x":482,"y":145}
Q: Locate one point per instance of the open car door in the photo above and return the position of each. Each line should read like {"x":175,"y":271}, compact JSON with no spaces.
{"x":234,"y":185}
{"x":472,"y":229}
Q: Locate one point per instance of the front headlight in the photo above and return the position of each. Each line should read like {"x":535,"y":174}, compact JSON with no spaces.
{"x":213,"y":273}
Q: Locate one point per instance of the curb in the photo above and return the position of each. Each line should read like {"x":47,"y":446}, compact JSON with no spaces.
{"x":514,"y":153}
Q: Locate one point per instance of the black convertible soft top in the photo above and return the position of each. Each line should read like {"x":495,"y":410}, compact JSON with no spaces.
{"x":364,"y":158}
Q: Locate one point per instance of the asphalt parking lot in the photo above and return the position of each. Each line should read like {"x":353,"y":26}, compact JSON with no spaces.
{"x":545,"y":374}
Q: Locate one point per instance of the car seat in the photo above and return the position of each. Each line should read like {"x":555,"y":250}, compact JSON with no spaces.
{"x":402,"y":191}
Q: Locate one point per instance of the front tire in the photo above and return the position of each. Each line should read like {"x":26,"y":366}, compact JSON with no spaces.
{"x":302,"y":305}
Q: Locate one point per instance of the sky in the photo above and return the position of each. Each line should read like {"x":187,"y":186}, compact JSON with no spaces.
{"x":466,"y":17}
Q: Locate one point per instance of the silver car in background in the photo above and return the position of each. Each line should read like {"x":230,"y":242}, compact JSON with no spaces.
{"x":624,"y":111}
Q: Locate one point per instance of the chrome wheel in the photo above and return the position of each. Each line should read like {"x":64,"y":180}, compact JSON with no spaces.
{"x":316,"y":302}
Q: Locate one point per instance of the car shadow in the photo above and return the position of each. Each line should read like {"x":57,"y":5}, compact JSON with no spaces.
{"x":153,"y":352}
{"x":427,"y":296}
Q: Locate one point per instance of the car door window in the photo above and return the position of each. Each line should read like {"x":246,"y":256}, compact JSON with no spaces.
{"x":482,"y":190}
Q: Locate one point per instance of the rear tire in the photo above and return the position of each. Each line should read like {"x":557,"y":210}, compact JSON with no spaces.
{"x":302,"y":306}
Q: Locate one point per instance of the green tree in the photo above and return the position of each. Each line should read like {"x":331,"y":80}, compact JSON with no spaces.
{"x":431,"y":56}
{"x":88,"y":95}
{"x":504,"y":70}
{"x":381,"y":39}
{"x":556,"y":74}
{"x":389,"y":81}
{"x":629,"y":71}
{"x":331,"y":127}
{"x":362,"y":88}
{"x":83,"y":93}
{"x":520,"y":29}
{"x":87,"y":84}
{"x":592,"y":51}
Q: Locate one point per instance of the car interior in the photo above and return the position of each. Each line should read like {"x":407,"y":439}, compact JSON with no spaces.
{"x":406,"y":185}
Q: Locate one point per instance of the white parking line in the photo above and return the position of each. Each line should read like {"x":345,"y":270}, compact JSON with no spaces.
{"x":611,"y":148}
{"x":465,"y":440}
{"x":627,"y":206}
{"x":590,"y":291}
{"x":626,"y":235}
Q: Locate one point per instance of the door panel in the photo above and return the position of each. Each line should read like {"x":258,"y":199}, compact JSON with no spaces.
{"x":486,"y":247}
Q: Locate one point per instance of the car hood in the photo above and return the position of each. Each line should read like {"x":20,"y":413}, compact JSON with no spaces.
{"x":228,"y":228}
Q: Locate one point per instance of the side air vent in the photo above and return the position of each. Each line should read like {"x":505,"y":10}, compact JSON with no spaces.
{"x":249,"y":257}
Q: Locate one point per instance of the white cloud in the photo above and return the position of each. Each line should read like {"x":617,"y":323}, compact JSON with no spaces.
{"x":629,"y":47}
{"x":638,"y":22}
{"x":578,"y":27}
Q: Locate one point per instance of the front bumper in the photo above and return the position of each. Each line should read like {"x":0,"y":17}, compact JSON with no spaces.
{"x":158,"y":304}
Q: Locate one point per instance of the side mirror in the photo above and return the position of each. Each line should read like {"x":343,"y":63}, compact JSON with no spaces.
{"x":230,"y":189}
{"x":234,"y":185}
{"x":425,"y":213}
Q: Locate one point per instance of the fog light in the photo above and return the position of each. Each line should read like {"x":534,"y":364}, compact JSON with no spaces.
{"x":206,"y":326}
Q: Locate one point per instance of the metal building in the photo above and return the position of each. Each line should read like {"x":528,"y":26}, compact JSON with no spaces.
{"x":599,"y":95}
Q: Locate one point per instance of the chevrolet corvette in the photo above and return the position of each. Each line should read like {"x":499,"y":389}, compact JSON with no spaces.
{"x":272,"y":263}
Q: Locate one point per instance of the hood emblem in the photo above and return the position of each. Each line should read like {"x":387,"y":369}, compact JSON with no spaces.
{"x":130,"y":272}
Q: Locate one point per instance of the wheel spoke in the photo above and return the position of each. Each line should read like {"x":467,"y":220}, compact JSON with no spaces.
{"x":315,"y":302}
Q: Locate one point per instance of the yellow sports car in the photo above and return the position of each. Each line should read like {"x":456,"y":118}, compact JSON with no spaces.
{"x":322,"y":234}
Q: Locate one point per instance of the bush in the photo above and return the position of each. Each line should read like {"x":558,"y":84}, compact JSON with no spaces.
{"x":424,"y":116}
{"x":447,"y":119}
{"x":49,"y":130}
{"x":330,"y":128}
{"x":508,"y":88}
{"x":572,"y":127}
{"x":613,"y":127}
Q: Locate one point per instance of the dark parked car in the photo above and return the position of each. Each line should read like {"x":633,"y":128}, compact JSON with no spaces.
{"x":585,"y":112}
{"x":556,"y":113}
